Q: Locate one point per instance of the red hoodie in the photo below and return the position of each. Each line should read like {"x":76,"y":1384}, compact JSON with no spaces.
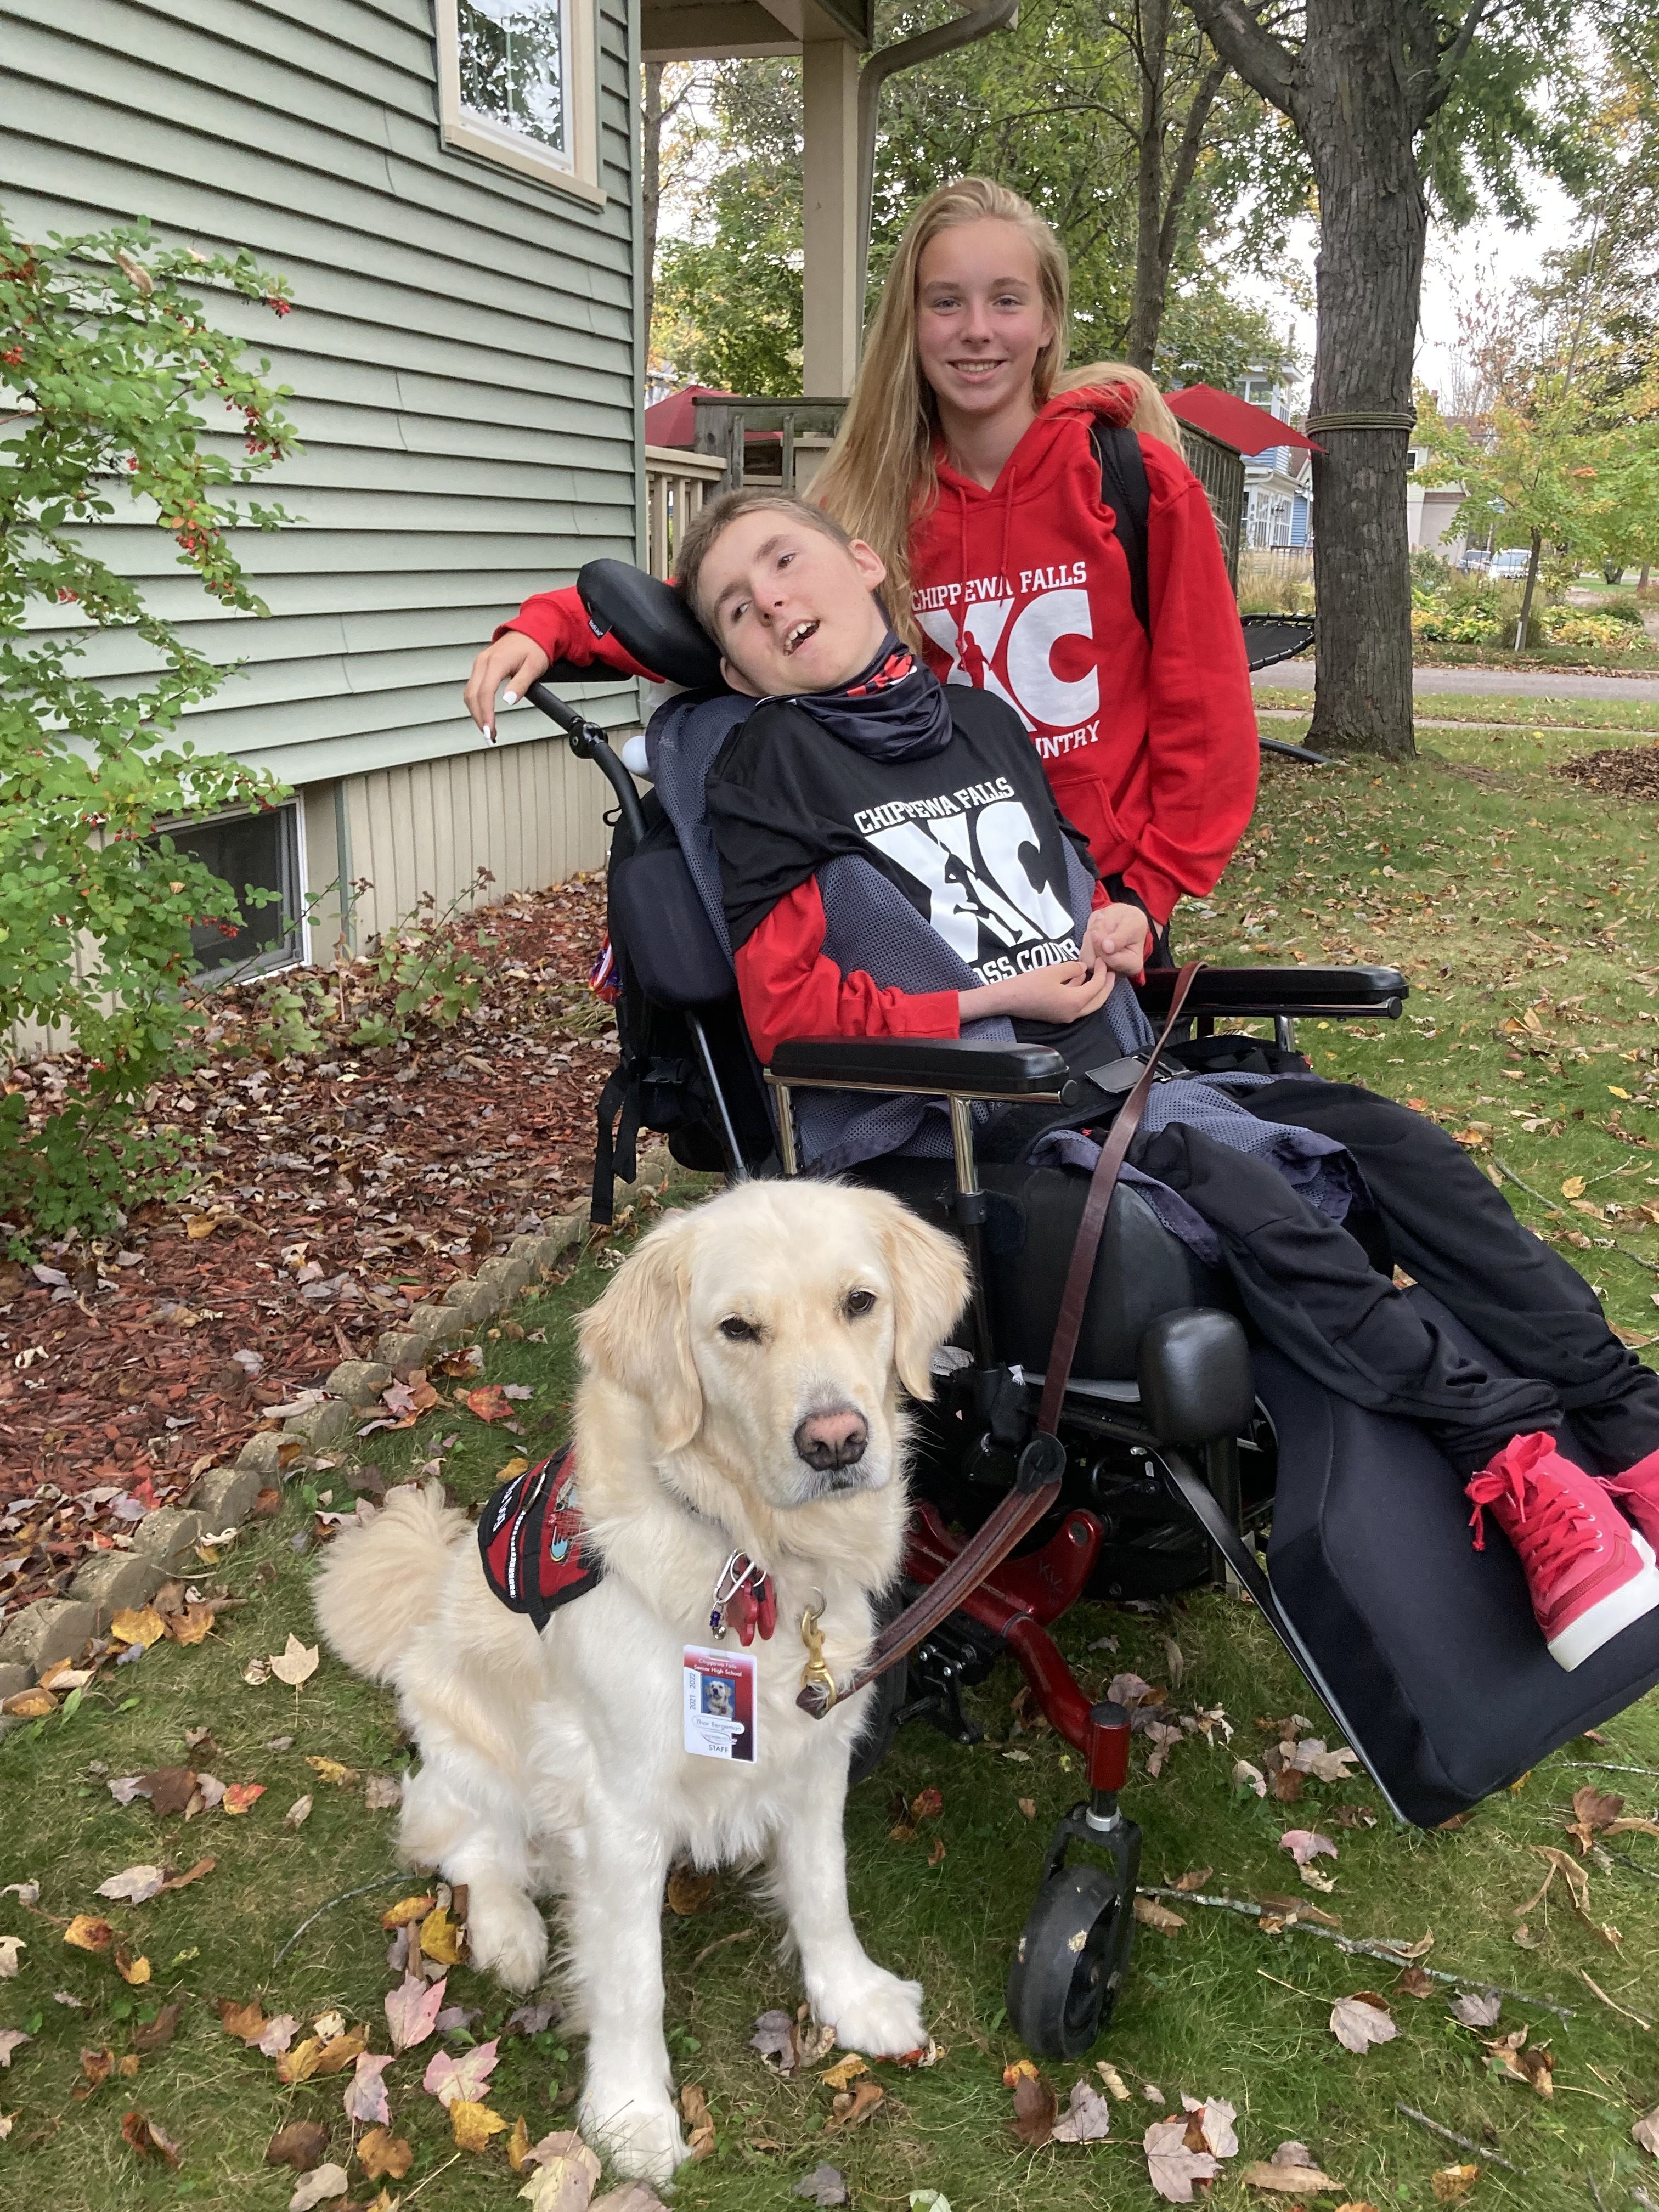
{"x":1150,"y":745}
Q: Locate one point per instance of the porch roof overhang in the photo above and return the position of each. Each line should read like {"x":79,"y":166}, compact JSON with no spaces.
{"x":722,"y":30}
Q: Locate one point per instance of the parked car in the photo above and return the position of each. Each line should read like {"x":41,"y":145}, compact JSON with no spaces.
{"x":1511,"y":562}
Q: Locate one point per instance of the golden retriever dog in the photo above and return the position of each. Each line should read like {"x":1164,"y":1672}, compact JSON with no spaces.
{"x":743,"y":1385}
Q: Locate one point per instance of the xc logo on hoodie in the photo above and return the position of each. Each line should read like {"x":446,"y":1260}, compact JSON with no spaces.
{"x":1011,"y":653}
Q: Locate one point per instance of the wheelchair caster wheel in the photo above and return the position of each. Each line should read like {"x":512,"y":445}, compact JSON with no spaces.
{"x":1068,"y":1967}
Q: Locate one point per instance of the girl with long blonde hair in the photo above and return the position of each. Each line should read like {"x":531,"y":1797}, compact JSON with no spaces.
{"x":970,"y":459}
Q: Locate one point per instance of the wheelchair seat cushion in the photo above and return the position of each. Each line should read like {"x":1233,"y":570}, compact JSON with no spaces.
{"x":1142,"y":1270}
{"x":1429,"y":1647}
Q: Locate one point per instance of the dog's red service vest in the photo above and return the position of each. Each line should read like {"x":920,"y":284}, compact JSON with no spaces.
{"x":533,"y":1542}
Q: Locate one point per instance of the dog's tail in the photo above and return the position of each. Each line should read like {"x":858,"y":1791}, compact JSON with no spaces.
{"x":381,"y":1581}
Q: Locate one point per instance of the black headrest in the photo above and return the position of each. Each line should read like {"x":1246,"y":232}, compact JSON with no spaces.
{"x":651,"y":620}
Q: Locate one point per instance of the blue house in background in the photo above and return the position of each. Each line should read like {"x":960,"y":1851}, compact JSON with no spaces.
{"x":1278,"y":480}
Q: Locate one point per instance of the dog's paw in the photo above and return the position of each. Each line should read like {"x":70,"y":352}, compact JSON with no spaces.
{"x":873,"y":2012}
{"x":636,"y":2130}
{"x":506,"y":1936}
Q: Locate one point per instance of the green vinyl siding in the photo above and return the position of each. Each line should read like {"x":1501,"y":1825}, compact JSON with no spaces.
{"x":462,"y":348}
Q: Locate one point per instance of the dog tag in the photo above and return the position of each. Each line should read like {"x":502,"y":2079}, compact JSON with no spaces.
{"x":718,"y":1701}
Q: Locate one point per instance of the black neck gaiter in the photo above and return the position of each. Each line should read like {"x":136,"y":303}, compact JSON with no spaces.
{"x":893,"y":710}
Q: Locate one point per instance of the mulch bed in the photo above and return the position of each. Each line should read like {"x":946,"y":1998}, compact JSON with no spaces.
{"x":331,"y":1194}
{"x":1627,"y":771}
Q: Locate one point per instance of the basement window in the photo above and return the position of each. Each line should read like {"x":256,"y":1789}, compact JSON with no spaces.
{"x":259,"y":852}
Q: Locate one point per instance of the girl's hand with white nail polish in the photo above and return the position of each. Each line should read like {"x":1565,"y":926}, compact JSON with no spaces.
{"x":513,"y":661}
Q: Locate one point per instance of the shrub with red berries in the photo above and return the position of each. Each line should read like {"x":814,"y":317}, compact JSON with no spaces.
{"x":127,"y":383}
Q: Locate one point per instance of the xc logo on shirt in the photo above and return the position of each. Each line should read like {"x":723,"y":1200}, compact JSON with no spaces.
{"x":981,"y":873}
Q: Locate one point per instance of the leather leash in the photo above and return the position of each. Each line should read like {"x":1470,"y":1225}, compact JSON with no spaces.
{"x":1042,"y":1462}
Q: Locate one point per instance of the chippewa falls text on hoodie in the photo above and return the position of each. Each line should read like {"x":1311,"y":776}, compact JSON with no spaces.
{"x":1023,"y":590}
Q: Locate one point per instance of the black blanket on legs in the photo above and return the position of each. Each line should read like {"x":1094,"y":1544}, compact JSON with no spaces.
{"x":1429,"y":1647}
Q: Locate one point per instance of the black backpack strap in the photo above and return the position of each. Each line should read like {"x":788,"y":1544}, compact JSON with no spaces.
{"x":1124,"y":489}
{"x":616,"y":1121}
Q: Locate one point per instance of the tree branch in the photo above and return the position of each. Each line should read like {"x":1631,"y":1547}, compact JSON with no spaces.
{"x":1266,"y":64}
{"x":1451,"y":61}
{"x":1186,"y":160}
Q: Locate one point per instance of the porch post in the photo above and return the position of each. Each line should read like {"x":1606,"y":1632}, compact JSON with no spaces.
{"x":831,"y":310}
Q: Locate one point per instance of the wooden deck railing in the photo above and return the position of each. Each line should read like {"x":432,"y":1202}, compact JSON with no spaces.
{"x":676,"y":484}
{"x":789,"y":437}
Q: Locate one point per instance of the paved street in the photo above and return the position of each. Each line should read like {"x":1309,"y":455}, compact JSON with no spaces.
{"x":1522,"y":683}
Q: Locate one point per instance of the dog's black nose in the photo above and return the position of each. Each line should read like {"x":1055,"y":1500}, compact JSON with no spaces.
{"x":827,"y":1441}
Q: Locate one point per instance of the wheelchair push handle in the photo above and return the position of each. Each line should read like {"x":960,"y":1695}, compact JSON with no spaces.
{"x":589,"y":742}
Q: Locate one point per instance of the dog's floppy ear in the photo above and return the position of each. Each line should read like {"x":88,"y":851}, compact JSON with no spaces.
{"x":638,"y":1335}
{"x":930,"y":1288}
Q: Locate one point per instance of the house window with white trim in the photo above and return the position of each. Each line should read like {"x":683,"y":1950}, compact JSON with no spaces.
{"x":516,"y":85}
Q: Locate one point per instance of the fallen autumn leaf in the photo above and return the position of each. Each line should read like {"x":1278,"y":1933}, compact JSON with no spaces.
{"x":301,"y":2144}
{"x":318,"y":2187}
{"x":1357,"y":2022}
{"x":1087,"y":2117}
{"x":296,"y":1662}
{"x":411,"y":2010}
{"x":459,"y":2080}
{"x":365,"y":2093}
{"x":150,"y":2141}
{"x":384,"y":2156}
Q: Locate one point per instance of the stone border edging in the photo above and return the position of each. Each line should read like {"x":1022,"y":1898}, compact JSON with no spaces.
{"x":51,"y":1629}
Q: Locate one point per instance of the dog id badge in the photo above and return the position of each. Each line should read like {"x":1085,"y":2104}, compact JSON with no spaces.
{"x":718,"y":1702}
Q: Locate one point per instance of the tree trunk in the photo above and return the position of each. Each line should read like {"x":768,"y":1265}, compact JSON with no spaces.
{"x":1159,"y":203}
{"x":1365,"y":78}
{"x":1373,"y":219}
{"x":1522,"y":626}
{"x":1152,"y":275}
{"x":650,"y":185}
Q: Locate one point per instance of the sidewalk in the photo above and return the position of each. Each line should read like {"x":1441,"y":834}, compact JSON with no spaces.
{"x":1519,"y":684}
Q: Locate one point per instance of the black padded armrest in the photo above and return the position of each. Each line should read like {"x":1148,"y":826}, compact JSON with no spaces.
{"x":933,"y":1065}
{"x":1340,"y":994}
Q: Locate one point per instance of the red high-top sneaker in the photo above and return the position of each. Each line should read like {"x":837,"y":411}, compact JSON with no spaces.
{"x":1637,"y":1492}
{"x":1589,"y":1574}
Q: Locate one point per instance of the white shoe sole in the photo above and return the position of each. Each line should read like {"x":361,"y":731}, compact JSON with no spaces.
{"x":1613,"y":1614}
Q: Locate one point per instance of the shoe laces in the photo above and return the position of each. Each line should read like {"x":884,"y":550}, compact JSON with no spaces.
{"x":1552,"y":1528}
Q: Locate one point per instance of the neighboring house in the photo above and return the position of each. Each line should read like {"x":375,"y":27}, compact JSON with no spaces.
{"x":1278,"y":480}
{"x":1277,"y":498}
{"x":1431,"y":510}
{"x":452,"y":188}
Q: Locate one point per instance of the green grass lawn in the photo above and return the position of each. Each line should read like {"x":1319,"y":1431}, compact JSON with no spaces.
{"x":1523,"y":911}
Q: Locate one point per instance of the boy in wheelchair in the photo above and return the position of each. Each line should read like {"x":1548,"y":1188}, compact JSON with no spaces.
{"x":892,"y":863}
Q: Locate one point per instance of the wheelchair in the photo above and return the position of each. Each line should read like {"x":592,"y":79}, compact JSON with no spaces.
{"x":1188,"y":1450}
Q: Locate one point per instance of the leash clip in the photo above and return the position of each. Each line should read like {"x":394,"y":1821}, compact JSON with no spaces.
{"x":817,"y":1683}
